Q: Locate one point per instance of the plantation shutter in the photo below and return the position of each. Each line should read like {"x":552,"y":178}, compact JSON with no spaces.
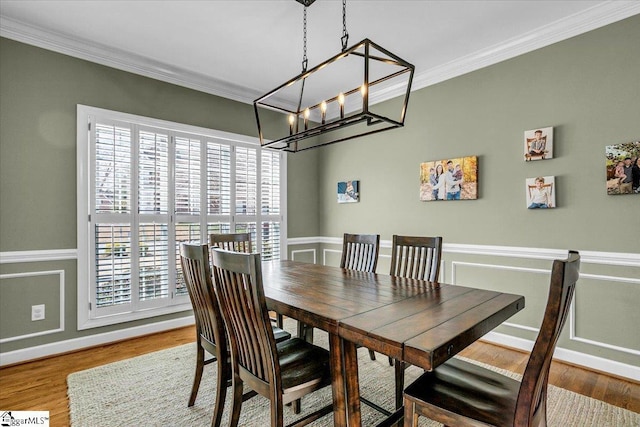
{"x":153,"y":210}
{"x":270,"y":205}
{"x":188,"y":194}
{"x":218,"y":188}
{"x":112,"y":215}
{"x":148,"y":189}
{"x":246,"y":192}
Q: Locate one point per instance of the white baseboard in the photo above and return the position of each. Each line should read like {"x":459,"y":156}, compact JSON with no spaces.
{"x":31,"y":353}
{"x":37,"y":352}
{"x":570,"y":356}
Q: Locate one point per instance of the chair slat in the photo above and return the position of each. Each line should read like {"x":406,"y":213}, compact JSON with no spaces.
{"x":235,"y":242}
{"x":416,"y":257}
{"x":360,"y":252}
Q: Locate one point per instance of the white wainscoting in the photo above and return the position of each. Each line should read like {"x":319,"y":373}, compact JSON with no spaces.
{"x":587,"y":257}
{"x":572,"y":317}
{"x":574,"y":357}
{"x":60,"y":328}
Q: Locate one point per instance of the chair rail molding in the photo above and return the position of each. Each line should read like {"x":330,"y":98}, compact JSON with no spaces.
{"x":332,"y":245}
{"x":19,"y":257}
{"x":587,"y":257}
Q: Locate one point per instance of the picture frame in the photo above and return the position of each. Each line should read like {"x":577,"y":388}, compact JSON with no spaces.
{"x":540,"y":192}
{"x":348,"y":191}
{"x":449,"y":179}
{"x":538,"y":144}
{"x":622,"y":162}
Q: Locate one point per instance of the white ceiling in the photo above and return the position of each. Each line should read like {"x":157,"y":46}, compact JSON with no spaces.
{"x":241,"y":49}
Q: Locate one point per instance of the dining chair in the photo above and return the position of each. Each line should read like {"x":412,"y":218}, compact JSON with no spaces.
{"x":238,"y":242}
{"x":360,"y":252}
{"x":210,"y":333}
{"x":464,"y":394}
{"x":414,"y":257}
{"x":282,"y":372}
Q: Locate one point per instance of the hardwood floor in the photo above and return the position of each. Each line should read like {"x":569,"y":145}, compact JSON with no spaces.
{"x":41,"y":384}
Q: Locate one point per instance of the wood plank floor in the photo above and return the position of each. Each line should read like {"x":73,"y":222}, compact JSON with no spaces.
{"x":41,"y":385}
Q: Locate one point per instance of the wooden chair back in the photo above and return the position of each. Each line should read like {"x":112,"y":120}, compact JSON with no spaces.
{"x":531,"y":404}
{"x":197,"y":274}
{"x":238,"y":284}
{"x":235,"y":242}
{"x":457,"y":392}
{"x":210,"y":333}
{"x":254,"y":353}
{"x":416,"y":257}
{"x":360,"y":252}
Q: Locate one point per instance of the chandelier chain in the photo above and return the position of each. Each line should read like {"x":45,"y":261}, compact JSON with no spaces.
{"x":305,"y":61}
{"x":345,"y":34}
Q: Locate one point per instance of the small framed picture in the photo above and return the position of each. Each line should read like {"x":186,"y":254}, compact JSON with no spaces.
{"x":538,"y":144}
{"x":348,"y":191}
{"x":541,"y":192}
{"x":623,"y":168}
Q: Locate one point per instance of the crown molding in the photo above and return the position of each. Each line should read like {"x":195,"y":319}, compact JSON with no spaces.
{"x":574,"y":25}
{"x":122,"y":60}
{"x":590,"y":19}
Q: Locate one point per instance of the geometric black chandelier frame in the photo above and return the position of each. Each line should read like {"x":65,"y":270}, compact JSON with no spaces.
{"x":316,"y":108}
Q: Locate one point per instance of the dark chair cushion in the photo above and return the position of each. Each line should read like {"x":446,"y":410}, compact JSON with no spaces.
{"x":465,"y":388}
{"x":300,"y":363}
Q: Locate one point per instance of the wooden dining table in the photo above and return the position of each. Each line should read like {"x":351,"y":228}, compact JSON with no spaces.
{"x":415,"y":321}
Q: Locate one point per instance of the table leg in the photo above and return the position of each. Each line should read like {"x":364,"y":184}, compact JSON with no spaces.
{"x":352,"y":383}
{"x":305,"y":332}
{"x":337,"y":382}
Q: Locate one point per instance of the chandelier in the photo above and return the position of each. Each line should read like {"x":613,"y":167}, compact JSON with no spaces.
{"x":337,"y":100}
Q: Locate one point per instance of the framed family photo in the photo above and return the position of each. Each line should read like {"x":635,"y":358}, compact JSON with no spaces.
{"x":348,"y":191}
{"x":538,"y":144}
{"x":623,"y":168}
{"x":449,"y":179}
{"x":541,"y":192}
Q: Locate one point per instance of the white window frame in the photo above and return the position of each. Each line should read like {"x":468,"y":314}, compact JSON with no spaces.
{"x":86,"y":115}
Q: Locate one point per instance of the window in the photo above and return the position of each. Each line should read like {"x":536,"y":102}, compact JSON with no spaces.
{"x":145,"y":186}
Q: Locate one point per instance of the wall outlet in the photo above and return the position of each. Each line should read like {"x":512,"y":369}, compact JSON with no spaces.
{"x":37,"y":312}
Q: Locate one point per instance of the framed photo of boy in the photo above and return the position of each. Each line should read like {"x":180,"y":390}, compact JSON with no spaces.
{"x":538,"y":144}
{"x":541,"y":192}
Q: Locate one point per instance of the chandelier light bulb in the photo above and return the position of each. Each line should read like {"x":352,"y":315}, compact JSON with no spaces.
{"x":306,"y":118}
{"x":292,"y":119}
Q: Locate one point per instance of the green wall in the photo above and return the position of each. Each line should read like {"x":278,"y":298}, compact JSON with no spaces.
{"x":39,"y":93}
{"x":587,"y":88}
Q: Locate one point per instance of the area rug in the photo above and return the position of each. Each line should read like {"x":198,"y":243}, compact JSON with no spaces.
{"x":153,"y":390}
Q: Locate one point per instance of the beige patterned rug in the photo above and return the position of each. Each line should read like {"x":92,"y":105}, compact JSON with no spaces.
{"x":153,"y":389}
